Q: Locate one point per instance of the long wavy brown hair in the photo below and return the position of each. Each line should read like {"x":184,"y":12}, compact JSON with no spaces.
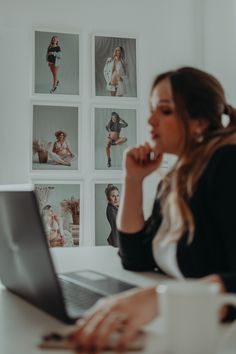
{"x":197,"y":95}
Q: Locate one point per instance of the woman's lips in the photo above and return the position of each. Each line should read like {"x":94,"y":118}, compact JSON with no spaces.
{"x":154,"y":136}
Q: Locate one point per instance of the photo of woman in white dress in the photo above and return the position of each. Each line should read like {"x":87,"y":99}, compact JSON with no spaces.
{"x":55,"y":202}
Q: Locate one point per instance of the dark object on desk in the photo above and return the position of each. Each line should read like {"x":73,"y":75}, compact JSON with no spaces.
{"x":26,"y":267}
{"x":61,"y":341}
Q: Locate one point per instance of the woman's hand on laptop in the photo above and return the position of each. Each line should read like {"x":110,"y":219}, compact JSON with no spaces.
{"x":123,"y":314}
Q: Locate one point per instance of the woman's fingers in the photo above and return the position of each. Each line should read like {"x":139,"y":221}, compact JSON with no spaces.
{"x":140,"y":153}
{"x":95,"y":332}
{"x":144,"y":155}
{"x":104,"y":334}
{"x":86,"y":337}
{"x":98,"y":308}
{"x":128,"y":334}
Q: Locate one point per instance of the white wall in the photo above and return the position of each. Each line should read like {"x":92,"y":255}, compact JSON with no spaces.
{"x":220,"y":43}
{"x":167,"y":38}
{"x":170,"y":34}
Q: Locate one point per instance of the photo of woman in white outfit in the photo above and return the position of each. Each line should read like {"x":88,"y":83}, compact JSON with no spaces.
{"x":56,"y":133}
{"x":56,"y":235}
{"x":115,"y":72}
{"x":61,"y":152}
{"x":115,"y":67}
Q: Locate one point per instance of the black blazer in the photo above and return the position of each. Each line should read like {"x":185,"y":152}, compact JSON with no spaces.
{"x":111,"y":214}
{"x":213,"y":250}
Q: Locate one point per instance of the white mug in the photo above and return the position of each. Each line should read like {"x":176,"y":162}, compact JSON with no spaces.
{"x":190,"y":314}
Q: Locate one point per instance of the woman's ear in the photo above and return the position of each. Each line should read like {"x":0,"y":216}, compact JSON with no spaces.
{"x":199,"y":125}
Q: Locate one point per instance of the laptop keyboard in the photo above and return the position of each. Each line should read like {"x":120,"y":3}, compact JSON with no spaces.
{"x":77,"y":296}
{"x":104,"y":283}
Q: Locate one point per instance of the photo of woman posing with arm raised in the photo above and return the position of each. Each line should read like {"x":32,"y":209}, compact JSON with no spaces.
{"x":114,"y":127}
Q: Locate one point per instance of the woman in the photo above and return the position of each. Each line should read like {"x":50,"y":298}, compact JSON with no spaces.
{"x":113,"y":198}
{"x":53,"y":59}
{"x":53,"y":227}
{"x":115,"y":72}
{"x":61,"y":152}
{"x":114,"y":127}
{"x":56,"y":235}
{"x":191,"y":231}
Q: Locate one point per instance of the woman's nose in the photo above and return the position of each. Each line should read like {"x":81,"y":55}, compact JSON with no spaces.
{"x":152,"y":120}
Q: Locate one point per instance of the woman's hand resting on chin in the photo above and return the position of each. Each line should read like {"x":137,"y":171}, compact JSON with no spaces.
{"x":140,"y":161}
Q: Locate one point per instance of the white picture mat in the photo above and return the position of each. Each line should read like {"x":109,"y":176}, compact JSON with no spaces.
{"x":66,"y":75}
{"x":65,"y":183}
{"x":57,"y":168}
{"x":93,"y":71}
{"x":132,"y":132}
{"x":101,"y":227}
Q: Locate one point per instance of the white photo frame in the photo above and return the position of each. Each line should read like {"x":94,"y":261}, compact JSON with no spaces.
{"x":101,"y":226}
{"x":67,"y":64}
{"x":105,"y":148}
{"x":103,"y":46}
{"x":59,"y":196}
{"x":47,"y":121}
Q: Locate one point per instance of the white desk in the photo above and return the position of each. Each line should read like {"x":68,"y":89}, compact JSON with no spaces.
{"x":22,"y":325}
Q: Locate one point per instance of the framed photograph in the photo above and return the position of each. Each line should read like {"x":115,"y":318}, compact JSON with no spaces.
{"x":114,"y":130}
{"x":107,"y":198}
{"x":115,"y":66}
{"x":56,"y":63}
{"x":55,"y":137}
{"x":60,"y":208}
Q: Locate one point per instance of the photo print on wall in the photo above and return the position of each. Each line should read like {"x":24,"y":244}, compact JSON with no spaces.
{"x":59,"y":206}
{"x":107,"y":199}
{"x":56,"y":63}
{"x":115,"y":66}
{"x":115,"y":129}
{"x":55,"y":138}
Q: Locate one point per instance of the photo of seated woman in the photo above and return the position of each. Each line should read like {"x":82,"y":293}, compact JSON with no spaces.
{"x":115,"y":130}
{"x":56,"y":64}
{"x":58,"y":203}
{"x":55,"y":138}
{"x":115,"y":67}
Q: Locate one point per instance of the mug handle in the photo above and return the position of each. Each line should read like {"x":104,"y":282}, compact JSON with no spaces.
{"x":228,"y":299}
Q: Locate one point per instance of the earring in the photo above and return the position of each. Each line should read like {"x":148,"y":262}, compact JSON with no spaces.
{"x":198,"y":137}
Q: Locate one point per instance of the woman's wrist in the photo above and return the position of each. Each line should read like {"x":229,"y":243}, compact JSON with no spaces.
{"x":133,"y":179}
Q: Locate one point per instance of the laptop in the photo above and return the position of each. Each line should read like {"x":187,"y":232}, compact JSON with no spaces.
{"x":26,"y":266}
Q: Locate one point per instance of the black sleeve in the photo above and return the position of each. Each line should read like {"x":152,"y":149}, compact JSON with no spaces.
{"x":135,"y":249}
{"x":123,"y":123}
{"x":222,"y":186}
